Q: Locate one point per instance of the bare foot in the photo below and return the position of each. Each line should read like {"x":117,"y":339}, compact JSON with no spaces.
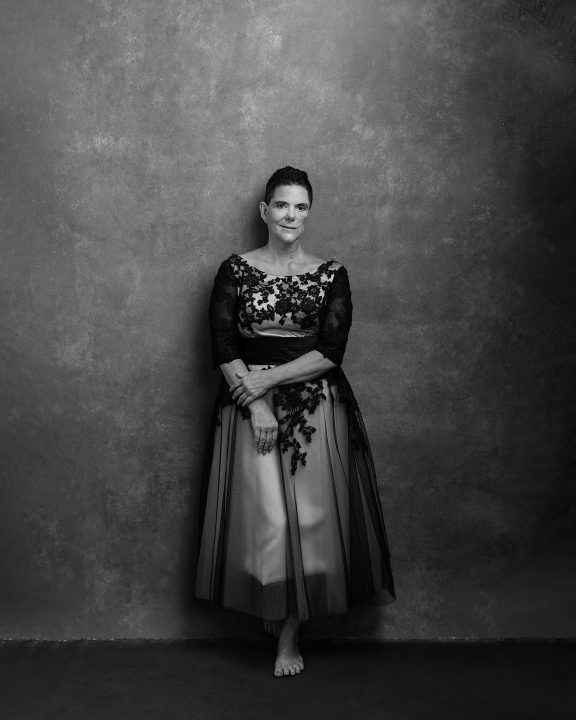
{"x":288,"y":660}
{"x":272,"y":627}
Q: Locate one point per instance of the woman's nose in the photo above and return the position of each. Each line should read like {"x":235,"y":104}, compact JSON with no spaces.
{"x":290,"y":214}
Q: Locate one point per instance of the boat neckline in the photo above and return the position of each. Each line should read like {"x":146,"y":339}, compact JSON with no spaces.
{"x":310,"y":272}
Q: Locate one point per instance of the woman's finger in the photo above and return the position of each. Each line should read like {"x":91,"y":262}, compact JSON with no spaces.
{"x":269,"y":442}
{"x":265,"y":443}
{"x":274,"y":435}
{"x":262,"y":441}
{"x":238,"y":392}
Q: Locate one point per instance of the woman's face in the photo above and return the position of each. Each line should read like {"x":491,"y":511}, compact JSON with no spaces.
{"x":286,"y":212}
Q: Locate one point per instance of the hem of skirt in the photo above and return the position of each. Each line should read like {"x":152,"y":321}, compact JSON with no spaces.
{"x":357,"y":602}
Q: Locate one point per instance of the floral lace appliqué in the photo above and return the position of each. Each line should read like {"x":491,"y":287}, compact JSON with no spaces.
{"x":295,"y":401}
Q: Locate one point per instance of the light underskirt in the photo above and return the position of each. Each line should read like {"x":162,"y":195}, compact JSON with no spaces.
{"x":275,"y":543}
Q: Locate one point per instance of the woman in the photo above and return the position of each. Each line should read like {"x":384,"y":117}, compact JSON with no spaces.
{"x":292,"y":525}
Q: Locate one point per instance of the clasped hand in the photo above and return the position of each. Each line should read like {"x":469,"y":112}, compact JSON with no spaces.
{"x":250,"y":386}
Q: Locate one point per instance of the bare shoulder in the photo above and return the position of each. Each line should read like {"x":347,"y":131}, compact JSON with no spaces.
{"x":315,"y":260}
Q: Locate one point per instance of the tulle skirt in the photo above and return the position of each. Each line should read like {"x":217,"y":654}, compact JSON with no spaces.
{"x":276,"y":540}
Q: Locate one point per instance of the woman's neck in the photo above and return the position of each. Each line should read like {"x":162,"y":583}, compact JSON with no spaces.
{"x":280,"y":254}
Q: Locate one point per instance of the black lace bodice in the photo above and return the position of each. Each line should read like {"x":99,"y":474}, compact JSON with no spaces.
{"x":250,"y":303}
{"x":247,"y":302}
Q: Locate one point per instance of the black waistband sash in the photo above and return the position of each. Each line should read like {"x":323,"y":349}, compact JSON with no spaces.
{"x":275,"y":350}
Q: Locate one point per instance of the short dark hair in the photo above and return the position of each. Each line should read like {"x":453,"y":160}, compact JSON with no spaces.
{"x":287,"y":176}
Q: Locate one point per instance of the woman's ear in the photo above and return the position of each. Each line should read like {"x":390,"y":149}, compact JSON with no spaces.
{"x":263,"y":208}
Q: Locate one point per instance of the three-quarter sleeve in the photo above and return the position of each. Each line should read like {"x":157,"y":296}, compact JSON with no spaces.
{"x":223,"y":316}
{"x":336,"y":318}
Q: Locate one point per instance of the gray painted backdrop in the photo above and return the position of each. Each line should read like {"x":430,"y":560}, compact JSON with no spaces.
{"x":136,"y":139}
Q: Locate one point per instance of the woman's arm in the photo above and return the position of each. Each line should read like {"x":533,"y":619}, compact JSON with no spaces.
{"x":223,"y":313}
{"x":307,"y":367}
{"x":233,"y":370}
{"x":248,"y":385}
{"x":264,"y":422}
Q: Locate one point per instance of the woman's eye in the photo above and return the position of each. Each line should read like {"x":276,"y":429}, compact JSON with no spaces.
{"x":302,"y":208}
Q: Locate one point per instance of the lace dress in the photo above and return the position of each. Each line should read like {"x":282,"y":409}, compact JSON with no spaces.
{"x":299,"y":530}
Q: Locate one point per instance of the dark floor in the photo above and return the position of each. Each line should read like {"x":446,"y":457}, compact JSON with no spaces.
{"x":196,"y":680}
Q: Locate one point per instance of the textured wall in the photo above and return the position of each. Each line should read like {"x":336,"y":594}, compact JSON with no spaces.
{"x":440,"y":136}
